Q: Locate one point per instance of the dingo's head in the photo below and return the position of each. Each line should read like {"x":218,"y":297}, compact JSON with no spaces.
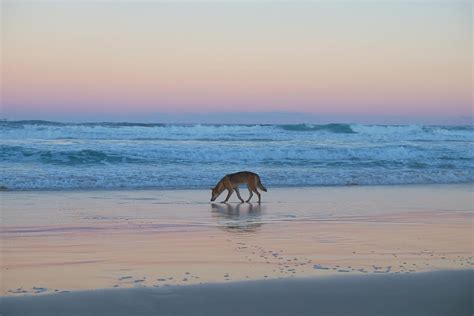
{"x":214,"y":194}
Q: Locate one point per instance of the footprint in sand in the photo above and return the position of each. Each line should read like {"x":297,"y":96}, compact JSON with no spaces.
{"x":18,"y":291}
{"x":320,"y":267}
{"x":39,"y":289}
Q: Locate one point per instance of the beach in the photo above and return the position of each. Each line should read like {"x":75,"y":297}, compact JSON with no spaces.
{"x":64,"y":242}
{"x":122,"y":120}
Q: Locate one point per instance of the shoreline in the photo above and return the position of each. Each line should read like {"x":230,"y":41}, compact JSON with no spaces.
{"x":205,"y":188}
{"x":423,"y":293}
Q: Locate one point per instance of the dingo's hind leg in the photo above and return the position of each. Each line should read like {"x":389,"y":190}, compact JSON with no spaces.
{"x":258,"y":194}
{"x":251,"y":194}
{"x":253,"y":187}
{"x":238,"y":195}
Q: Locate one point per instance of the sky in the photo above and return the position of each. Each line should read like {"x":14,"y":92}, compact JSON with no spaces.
{"x":353,"y":61}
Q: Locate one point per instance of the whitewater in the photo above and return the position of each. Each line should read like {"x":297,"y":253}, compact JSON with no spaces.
{"x":43,"y":155}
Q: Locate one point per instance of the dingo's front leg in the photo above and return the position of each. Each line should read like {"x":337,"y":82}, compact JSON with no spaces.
{"x":228,"y":195}
{"x":238,"y":195}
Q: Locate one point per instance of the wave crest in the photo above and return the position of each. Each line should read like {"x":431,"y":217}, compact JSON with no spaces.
{"x":67,"y":157}
{"x":333,"y":127}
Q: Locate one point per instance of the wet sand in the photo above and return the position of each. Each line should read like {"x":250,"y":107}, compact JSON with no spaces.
{"x":71,"y":241}
{"x":430,"y":293}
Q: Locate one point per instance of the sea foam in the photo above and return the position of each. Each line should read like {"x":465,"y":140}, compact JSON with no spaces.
{"x":55,"y":155}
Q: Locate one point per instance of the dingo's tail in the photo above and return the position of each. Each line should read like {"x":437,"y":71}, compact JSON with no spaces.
{"x":260,"y":185}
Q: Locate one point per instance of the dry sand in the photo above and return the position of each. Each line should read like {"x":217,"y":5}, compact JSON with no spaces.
{"x":431,"y":293}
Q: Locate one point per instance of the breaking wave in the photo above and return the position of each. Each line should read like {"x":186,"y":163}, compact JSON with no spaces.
{"x":333,"y":128}
{"x":37,"y":155}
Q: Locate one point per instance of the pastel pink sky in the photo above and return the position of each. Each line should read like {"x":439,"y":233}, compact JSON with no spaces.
{"x":72,"y":59}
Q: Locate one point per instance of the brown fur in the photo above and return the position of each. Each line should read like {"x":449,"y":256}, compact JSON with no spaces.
{"x":231,"y":183}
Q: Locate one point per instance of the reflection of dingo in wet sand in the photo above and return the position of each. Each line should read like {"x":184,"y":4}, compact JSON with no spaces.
{"x":231,"y":183}
{"x":233,"y":211}
{"x":238,"y":217}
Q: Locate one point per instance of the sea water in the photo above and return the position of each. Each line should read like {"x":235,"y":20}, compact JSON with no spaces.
{"x":42,"y":155}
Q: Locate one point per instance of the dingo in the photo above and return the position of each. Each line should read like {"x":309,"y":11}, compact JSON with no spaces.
{"x":232,"y":181}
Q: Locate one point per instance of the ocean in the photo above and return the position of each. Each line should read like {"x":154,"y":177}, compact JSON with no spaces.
{"x":43,"y":155}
